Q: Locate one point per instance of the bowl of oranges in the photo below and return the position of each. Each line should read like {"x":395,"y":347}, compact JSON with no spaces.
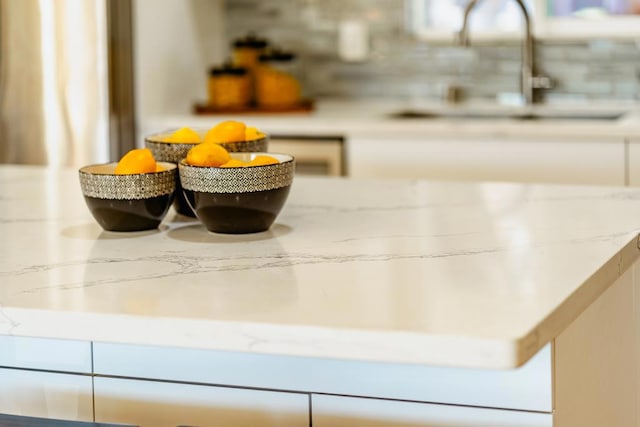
{"x":235,"y":193}
{"x":133,"y":194}
{"x":173,"y":145}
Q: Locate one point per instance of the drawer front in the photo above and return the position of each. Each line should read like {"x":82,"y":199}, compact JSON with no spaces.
{"x":540,"y":160}
{"x":526,"y":388}
{"x":338,"y":411}
{"x":160,"y":404}
{"x":46,"y":394}
{"x":45,"y":354}
{"x":314,"y":156}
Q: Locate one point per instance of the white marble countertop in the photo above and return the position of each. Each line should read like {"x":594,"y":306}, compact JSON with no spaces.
{"x":360,"y":119}
{"x":455,"y":274}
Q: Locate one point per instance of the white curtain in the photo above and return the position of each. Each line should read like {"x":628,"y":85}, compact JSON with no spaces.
{"x":53,"y":82}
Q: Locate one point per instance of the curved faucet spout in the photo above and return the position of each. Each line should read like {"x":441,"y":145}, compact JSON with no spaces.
{"x":463,"y":35}
{"x":527,"y":81}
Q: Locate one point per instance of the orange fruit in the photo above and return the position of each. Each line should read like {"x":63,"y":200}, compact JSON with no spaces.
{"x":227,"y":131}
{"x":184,"y":135}
{"x":139,"y":160}
{"x":207,"y":154}
{"x":252,"y":133}
{"x":234,"y":163}
{"x":263,"y":160}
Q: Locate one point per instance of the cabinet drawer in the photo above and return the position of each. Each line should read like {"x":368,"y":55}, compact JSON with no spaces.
{"x":46,"y":394}
{"x":526,"y":388}
{"x":536,"y":160}
{"x":314,"y":156}
{"x":159,"y":404}
{"x":45,"y":354}
{"x":338,"y":411}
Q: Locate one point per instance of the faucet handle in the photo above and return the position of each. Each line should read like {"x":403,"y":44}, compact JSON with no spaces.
{"x":453,"y":94}
{"x":542,"y":82}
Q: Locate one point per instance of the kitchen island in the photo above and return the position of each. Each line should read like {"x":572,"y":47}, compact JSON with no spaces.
{"x":369,"y":302}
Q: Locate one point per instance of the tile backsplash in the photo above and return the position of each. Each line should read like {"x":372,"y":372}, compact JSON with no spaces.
{"x":399,"y":65}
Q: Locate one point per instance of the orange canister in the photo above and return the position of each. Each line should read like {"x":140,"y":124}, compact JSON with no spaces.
{"x":247,"y":50}
{"x":277,"y":82}
{"x":229,"y":87}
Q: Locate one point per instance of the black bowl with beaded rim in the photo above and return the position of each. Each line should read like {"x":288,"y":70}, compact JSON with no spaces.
{"x":173,"y":152}
{"x":238,"y":200}
{"x":133,"y":202}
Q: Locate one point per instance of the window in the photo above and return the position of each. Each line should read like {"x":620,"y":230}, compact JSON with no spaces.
{"x":441,"y":19}
{"x":592,"y":8}
{"x":590,"y":18}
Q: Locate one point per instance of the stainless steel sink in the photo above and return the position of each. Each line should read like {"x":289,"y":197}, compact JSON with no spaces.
{"x":509,"y":115}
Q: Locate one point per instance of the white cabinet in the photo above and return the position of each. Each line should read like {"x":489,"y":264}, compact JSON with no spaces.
{"x":597,"y":360}
{"x":526,"y":388}
{"x":45,"y":354}
{"x":159,"y":404}
{"x":333,"y":411}
{"x":544,"y":160}
{"x":634,"y":162}
{"x":46,"y":394}
{"x":26,"y":388}
{"x":314,"y":155}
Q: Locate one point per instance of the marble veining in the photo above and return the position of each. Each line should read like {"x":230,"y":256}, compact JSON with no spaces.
{"x":456,"y":274}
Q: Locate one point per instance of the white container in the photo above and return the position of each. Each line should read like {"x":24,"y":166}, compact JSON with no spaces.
{"x":353,"y":40}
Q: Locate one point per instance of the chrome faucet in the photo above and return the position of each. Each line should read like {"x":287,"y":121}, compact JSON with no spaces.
{"x":530,"y":82}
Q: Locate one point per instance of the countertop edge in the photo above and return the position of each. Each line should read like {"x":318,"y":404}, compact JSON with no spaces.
{"x":574,"y":305}
{"x":268,"y":339}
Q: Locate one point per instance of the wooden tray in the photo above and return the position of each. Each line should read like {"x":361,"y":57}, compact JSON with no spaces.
{"x":305,"y":106}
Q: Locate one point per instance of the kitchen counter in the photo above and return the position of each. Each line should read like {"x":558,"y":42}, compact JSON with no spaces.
{"x":456,"y":274}
{"x":365,"y":118}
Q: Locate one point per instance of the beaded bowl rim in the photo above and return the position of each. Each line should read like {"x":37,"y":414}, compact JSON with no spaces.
{"x":289,"y":159}
{"x":241,"y":179}
{"x":169,"y":166}
{"x":101,"y":182}
{"x":154,"y":138}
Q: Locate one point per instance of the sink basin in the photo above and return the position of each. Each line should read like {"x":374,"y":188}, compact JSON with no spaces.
{"x":510,"y":115}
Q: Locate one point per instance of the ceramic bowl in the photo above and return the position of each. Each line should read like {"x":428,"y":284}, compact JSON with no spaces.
{"x":175,"y":151}
{"x":128,"y":202}
{"x":238,"y":200}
